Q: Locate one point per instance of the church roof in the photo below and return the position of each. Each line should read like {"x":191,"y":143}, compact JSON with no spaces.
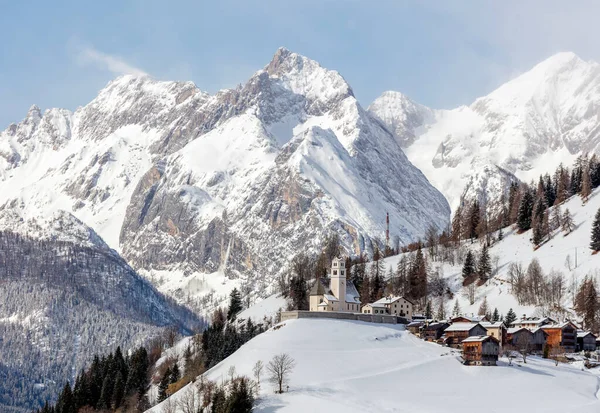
{"x":318,"y":288}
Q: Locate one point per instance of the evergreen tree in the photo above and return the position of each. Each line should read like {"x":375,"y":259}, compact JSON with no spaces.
{"x":219,"y":401}
{"x":496,"y":315}
{"x":567,"y":222}
{"x":595,"y":238}
{"x":469,"y":266}
{"x":164,"y":385}
{"x":483,"y":308}
{"x":418,"y":276}
{"x":428,"y":313}
{"x":586,"y":185}
{"x":441,"y":311}
{"x":118,"y":392}
{"x":474,"y":218}
{"x":240,"y":399}
{"x":485,"y":267}
{"x":66,"y":402}
{"x":456,"y":309}
{"x":299,"y":293}
{"x":525,"y":211}
{"x":510,"y":318}
{"x":138,"y":368}
{"x":106,"y":396}
{"x":235,"y":304}
{"x":175,"y":373}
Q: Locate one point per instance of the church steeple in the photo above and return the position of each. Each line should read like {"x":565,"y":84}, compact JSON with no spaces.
{"x":338,"y":282}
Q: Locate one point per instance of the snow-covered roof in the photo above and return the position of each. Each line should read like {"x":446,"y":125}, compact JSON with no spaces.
{"x":561,"y":325}
{"x":495,"y":324}
{"x":330,"y":297}
{"x":513,"y":330}
{"x":352,"y":295}
{"x":376,"y":305}
{"x":476,"y":339}
{"x":534,"y":320}
{"x":473,"y":319}
{"x":581,"y":334}
{"x":461,"y":326}
{"x":392,"y":300}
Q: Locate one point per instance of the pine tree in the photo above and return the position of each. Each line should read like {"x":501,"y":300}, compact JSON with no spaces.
{"x":556,"y":221}
{"x":418,"y":276}
{"x":241,"y":399}
{"x":525,"y":211}
{"x":586,"y":185}
{"x":441,"y":311}
{"x":219,"y":401}
{"x":483,"y":308}
{"x":469,"y":266}
{"x":567,"y":222}
{"x":106,"y":396}
{"x":235,"y":304}
{"x":595,"y":238}
{"x":66,"y":402}
{"x":175,"y":373}
{"x":496,"y":315}
{"x":485,"y":267}
{"x":456,"y":309}
{"x":428,"y":313}
{"x":510,"y":318}
{"x":118,"y":391}
{"x":164,"y":385}
{"x":474,"y":218}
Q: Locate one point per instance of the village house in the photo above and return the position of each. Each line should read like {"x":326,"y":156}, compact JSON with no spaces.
{"x":457,"y":332}
{"x":519,"y":336}
{"x":469,"y":319}
{"x":533,"y":322}
{"x":586,"y":341}
{"x":434,"y":331}
{"x":480,"y":350}
{"x":562,"y":335}
{"x":398,"y":306}
{"x":415,"y":327}
{"x":495,"y":329}
{"x":341,"y":295}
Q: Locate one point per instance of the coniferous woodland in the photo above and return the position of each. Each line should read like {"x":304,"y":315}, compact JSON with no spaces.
{"x":115,"y":382}
{"x":60,"y":303}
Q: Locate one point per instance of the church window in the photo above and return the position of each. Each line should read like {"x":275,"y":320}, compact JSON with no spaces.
{"x":334,"y":272}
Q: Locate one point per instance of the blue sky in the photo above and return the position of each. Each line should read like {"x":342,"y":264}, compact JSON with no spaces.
{"x":440,"y":53}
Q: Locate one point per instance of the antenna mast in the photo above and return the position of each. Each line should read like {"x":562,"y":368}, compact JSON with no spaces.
{"x":387,"y":229}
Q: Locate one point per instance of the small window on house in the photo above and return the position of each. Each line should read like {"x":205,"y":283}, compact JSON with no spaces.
{"x":335,"y":264}
{"x":334,"y":272}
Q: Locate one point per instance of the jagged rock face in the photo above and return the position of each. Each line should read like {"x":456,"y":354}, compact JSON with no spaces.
{"x":526,"y":127}
{"x":300,"y":160}
{"x":237,"y":182}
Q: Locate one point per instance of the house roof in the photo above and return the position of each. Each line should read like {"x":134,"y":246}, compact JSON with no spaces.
{"x":560,"y":326}
{"x":495,"y":324}
{"x":534,"y":320}
{"x":478,"y":339}
{"x":462,"y":326}
{"x":392,"y":299}
{"x":514,"y":330}
{"x":435,"y":326}
{"x":352,"y":295}
{"x":472,"y":319}
{"x":415,"y":324}
{"x":581,"y":334}
{"x":375,"y":305}
{"x":330,"y":297}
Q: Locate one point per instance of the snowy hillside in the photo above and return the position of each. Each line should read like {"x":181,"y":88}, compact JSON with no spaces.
{"x":187,"y":185}
{"x":526,"y":128}
{"x":570,"y":255}
{"x":350,"y":366}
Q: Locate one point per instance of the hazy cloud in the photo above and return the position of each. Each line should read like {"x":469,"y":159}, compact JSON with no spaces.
{"x":88,"y":55}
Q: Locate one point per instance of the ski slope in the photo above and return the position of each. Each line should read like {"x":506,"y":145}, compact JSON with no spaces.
{"x":552,"y":255}
{"x":352,"y":367}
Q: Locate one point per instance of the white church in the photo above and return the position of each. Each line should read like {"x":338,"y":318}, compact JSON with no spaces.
{"x":340,"y":295}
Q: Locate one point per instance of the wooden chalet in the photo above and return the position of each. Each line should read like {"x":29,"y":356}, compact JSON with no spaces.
{"x":480,"y":350}
{"x":495,"y":329}
{"x":586,"y":341}
{"x":415,"y":327}
{"x":540,"y":337}
{"x":469,"y":319}
{"x":434,"y":331}
{"x":562,"y":335}
{"x":457,"y":332}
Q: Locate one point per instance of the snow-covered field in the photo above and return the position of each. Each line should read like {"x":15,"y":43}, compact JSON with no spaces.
{"x":351,"y":366}
{"x":553,"y":255}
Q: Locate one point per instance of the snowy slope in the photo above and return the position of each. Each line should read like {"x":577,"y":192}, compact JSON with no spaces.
{"x":346,"y":366}
{"x":185,"y":184}
{"x":517,"y":248}
{"x":548,"y":115}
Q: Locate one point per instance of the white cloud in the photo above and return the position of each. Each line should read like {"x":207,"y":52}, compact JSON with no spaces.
{"x":90,"y":56}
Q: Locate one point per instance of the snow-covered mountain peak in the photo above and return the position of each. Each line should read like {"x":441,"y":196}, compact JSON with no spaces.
{"x":526,"y":127}
{"x":307,"y":77}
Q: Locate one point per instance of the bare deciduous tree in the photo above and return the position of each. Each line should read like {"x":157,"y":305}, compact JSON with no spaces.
{"x":280,"y":369}
{"x":189,"y":401}
{"x":257,"y":370}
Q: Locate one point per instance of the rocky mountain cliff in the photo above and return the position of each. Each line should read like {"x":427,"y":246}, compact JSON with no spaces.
{"x":185,"y":184}
{"x":548,"y":115}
